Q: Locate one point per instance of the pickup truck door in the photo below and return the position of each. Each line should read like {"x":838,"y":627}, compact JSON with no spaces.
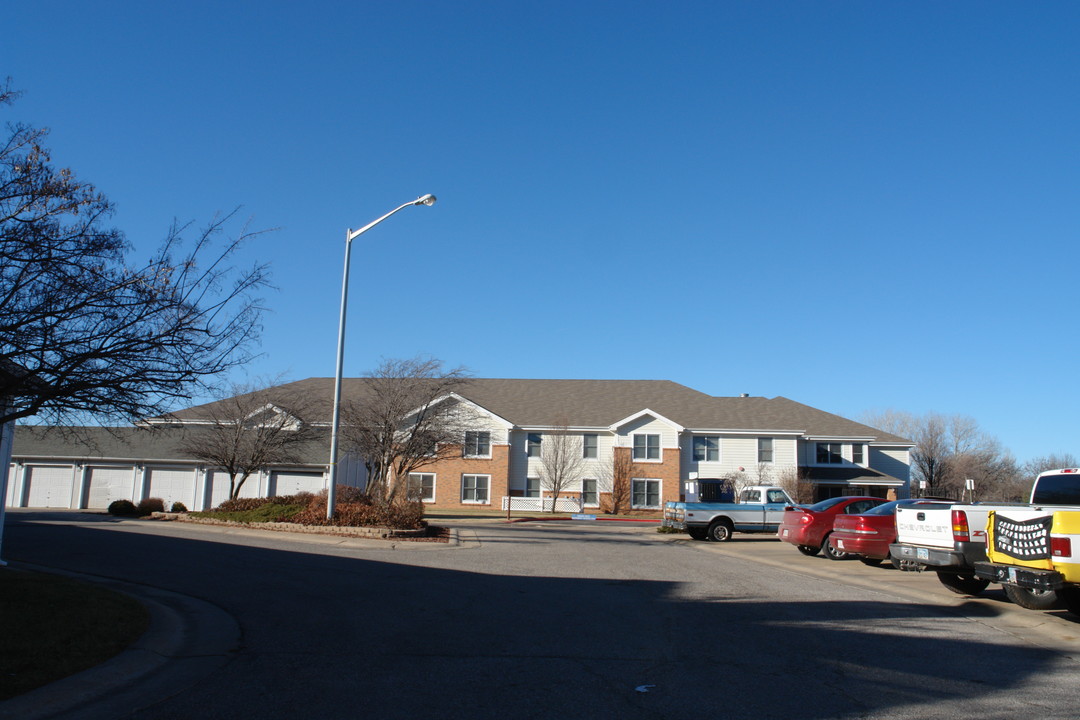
{"x":774,"y":509}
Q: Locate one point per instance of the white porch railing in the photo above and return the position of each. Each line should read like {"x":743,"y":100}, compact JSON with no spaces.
{"x":535,"y":504}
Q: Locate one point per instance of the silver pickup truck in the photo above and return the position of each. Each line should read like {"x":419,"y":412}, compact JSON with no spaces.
{"x":759,"y":509}
{"x":950,"y":539}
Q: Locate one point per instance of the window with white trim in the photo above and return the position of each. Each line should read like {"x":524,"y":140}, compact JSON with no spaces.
{"x":474,"y":488}
{"x":532,"y":487}
{"x":422,"y":487}
{"x":858,"y":453}
{"x":764,"y":450}
{"x":645,"y":493}
{"x":706,"y":448}
{"x":477,"y":443}
{"x":646,"y":447}
{"x":532,"y":444}
{"x":590,"y":445}
{"x":589,"y":492}
{"x":830,"y":453}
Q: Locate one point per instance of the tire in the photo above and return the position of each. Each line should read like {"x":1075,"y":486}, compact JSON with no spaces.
{"x":1070,"y":598}
{"x":1033,"y":599}
{"x":808,"y":550}
{"x":872,"y":562}
{"x":832,"y":553}
{"x":698,"y":533}
{"x":721,"y":531}
{"x":963,"y":584}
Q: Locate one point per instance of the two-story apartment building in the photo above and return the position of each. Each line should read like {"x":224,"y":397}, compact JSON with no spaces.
{"x":667,"y":435}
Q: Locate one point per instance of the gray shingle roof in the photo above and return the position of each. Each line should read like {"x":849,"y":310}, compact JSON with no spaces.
{"x":601,"y":403}
{"x":123,"y":443}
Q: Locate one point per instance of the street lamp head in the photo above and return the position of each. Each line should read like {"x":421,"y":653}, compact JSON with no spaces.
{"x":428,"y":199}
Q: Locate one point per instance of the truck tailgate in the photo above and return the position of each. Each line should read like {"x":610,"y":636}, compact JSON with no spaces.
{"x":925,"y":526}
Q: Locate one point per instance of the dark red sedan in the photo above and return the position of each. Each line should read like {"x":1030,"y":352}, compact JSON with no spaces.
{"x":807,"y":527}
{"x":868,"y":535}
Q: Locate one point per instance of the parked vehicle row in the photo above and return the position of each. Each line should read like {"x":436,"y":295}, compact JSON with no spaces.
{"x":1026,"y":547}
{"x":1030,"y":552}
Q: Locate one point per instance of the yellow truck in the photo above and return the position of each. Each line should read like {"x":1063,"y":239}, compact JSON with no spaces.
{"x":1034,"y":552}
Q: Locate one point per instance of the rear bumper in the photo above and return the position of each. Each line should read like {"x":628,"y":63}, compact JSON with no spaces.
{"x":797,"y":535}
{"x":963,"y":557}
{"x":870,"y":547}
{"x":1024,"y":577}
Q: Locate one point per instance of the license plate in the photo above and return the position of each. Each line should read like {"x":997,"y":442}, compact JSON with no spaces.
{"x":840,"y":544}
{"x":922,"y":553}
{"x":785,"y":533}
{"x":1012,"y":574}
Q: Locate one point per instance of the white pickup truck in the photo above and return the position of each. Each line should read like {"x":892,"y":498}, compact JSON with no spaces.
{"x":950,"y":539}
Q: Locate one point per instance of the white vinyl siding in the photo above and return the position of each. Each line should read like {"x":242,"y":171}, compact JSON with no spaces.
{"x":894,"y":461}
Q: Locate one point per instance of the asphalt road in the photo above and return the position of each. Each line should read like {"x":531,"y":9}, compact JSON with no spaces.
{"x":565,"y":620}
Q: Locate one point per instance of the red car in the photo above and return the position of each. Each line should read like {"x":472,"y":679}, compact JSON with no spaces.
{"x":868,"y":535}
{"x":807,"y":527}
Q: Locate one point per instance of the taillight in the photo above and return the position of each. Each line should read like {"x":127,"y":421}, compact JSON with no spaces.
{"x":1060,"y":546}
{"x":806,"y":519}
{"x":960,"y":531}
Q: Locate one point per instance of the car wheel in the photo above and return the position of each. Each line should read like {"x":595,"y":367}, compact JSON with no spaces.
{"x":698,"y":533}
{"x":808,"y":550}
{"x":873,"y":562}
{"x":962,"y":584}
{"x":832,"y":553}
{"x":1033,"y":599}
{"x":721,"y":531}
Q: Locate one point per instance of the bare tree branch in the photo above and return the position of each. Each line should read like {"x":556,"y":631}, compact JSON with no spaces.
{"x":85,"y":333}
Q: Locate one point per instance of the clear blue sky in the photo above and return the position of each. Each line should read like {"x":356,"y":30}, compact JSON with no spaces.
{"x":857,"y":205}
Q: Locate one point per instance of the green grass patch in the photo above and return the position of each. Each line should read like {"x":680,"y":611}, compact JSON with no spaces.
{"x":264,"y":513}
{"x":55,"y":626}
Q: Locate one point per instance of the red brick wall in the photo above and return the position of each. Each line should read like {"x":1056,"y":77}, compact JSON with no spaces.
{"x":448,"y":474}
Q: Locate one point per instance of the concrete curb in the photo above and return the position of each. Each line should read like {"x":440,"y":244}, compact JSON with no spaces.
{"x":187,"y":639}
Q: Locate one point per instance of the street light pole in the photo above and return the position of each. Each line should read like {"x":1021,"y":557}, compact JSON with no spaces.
{"x":335,"y":425}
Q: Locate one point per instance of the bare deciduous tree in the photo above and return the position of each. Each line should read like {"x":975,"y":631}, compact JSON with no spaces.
{"x":794,"y":482}
{"x":251,"y":428}
{"x":616,"y":479}
{"x":404,"y":421}
{"x":85,"y":333}
{"x":950,"y":449}
{"x":561,"y":460}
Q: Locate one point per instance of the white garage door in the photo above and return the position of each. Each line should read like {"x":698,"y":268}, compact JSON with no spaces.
{"x":218,"y":481}
{"x":106,"y":484}
{"x":290,"y":483}
{"x":50,"y":486}
{"x":171,"y":485}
